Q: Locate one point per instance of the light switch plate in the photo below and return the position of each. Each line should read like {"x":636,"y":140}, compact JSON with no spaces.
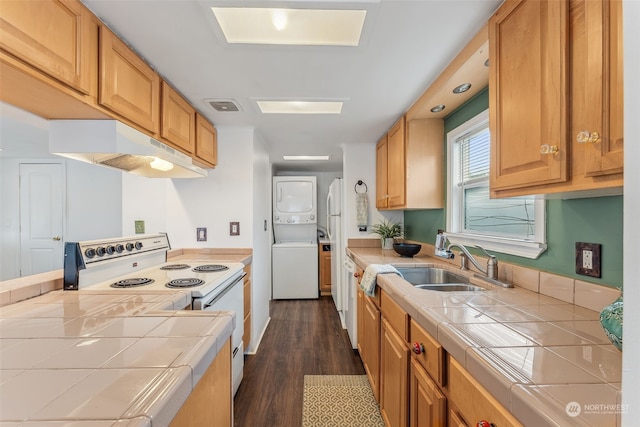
{"x":201,"y":234}
{"x":588,"y":259}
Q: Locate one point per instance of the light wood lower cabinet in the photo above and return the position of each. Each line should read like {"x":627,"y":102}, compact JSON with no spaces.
{"x":210,"y":403}
{"x":370,"y":351}
{"x":246,"y":336}
{"x":128,"y":86}
{"x":394,"y":362}
{"x":426,"y":402}
{"x":324,"y":270}
{"x":472,"y":401}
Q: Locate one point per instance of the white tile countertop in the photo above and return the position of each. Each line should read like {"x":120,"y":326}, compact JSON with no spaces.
{"x":89,"y":358}
{"x":535,"y":354}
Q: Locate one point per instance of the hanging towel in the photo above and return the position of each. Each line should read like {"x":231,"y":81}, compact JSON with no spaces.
{"x":362,"y":211}
{"x":368,"y":282}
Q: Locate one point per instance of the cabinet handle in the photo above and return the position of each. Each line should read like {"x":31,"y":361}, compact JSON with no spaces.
{"x":548,"y":149}
{"x":418,"y":348}
{"x":485,"y":423}
{"x":57,"y":238}
{"x":588,"y":137}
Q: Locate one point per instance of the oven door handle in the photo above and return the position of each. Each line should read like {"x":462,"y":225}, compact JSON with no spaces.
{"x":224,"y":292}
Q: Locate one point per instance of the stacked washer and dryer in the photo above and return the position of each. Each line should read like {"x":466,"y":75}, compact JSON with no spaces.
{"x":295,"y":229}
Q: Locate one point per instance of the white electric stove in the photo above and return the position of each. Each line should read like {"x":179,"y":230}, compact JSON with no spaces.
{"x":138,"y":263}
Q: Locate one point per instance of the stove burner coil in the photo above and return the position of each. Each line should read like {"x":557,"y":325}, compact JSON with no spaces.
{"x":209,"y":268}
{"x":175,"y":267}
{"x":184,"y":283}
{"x":130,"y":283}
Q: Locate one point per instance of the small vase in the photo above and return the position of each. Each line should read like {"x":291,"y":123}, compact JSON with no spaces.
{"x":611,"y":320}
{"x":387,"y":243}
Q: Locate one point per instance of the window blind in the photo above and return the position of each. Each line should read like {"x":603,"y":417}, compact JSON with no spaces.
{"x":512,"y":217}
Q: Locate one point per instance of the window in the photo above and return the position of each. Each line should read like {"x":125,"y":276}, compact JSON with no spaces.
{"x":513,"y":225}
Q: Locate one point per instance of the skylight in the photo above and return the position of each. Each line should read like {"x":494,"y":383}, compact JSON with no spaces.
{"x":300,"y":107}
{"x":305,"y":157}
{"x":318,"y":27}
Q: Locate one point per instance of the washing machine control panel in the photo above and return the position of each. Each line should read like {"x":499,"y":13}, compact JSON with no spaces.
{"x":294,"y":219}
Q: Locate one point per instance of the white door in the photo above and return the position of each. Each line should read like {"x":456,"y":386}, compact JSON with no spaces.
{"x":41,"y":216}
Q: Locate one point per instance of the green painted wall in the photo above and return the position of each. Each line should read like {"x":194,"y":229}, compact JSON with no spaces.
{"x":592,"y":220}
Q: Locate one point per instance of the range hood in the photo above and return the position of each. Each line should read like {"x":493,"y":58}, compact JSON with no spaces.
{"x":114,"y":144}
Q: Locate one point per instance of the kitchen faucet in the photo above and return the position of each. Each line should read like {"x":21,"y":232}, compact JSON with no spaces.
{"x":492,"y":264}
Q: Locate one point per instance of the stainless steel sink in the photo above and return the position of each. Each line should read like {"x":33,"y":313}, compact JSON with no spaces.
{"x":437,"y":279}
{"x":431,"y":275}
{"x":450,"y":287}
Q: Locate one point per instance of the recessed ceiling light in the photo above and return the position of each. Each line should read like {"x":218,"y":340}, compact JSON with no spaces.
{"x":300,"y":107}
{"x":290,"y":26}
{"x":305,"y":157}
{"x":437,"y":108}
{"x":462,"y":88}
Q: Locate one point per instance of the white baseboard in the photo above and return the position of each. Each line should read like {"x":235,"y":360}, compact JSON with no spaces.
{"x":254,"y":348}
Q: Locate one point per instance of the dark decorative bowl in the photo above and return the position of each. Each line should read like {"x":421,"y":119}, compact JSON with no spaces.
{"x":406,"y":250}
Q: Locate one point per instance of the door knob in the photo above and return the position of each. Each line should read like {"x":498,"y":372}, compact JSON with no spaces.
{"x":57,"y":238}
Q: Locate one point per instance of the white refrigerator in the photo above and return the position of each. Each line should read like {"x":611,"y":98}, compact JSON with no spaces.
{"x":336,"y":238}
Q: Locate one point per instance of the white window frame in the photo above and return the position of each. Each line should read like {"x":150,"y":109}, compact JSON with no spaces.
{"x":512,"y":246}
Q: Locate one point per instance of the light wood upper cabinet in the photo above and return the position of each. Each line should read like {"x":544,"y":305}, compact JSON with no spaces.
{"x":396,"y":165}
{"x":410,"y":164}
{"x":178,"y":120}
{"x":128,"y":86}
{"x":585,"y":159}
{"x":528,"y":93}
{"x":382,"y":197}
{"x":206,"y":141}
{"x":52,"y":35}
{"x":601,"y":62}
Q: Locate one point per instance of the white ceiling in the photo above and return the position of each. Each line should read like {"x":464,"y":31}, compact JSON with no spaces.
{"x":404,"y":46}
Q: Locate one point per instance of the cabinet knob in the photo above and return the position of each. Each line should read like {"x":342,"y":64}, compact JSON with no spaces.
{"x":418,"y":348}
{"x":585,"y":137}
{"x":356,"y":274}
{"x":548,"y":149}
{"x":485,"y":423}
{"x":57,"y":238}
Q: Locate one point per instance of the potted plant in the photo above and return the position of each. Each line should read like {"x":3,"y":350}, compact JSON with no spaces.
{"x":387,"y":230}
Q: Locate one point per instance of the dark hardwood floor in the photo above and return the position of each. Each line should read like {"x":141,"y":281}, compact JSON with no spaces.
{"x":304,"y":337}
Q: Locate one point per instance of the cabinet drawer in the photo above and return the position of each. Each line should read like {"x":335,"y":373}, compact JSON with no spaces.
{"x":395,"y":315}
{"x":473,"y":401}
{"x":432,"y":357}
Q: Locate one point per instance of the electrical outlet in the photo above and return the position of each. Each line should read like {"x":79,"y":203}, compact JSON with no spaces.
{"x":234,"y":229}
{"x":588,"y":259}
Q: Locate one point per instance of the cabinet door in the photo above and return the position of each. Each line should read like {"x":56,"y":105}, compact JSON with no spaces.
{"x":427,"y":404}
{"x":206,"y":141}
{"x":360,"y":320}
{"x":528,"y":102}
{"x":455,"y":420}
{"x":128,"y":86}
{"x":371,"y":345}
{"x":382,"y":197}
{"x":53,"y":36}
{"x":603,"y":106}
{"x":178,"y":125}
{"x":394,"y":359}
{"x":396,"y":165}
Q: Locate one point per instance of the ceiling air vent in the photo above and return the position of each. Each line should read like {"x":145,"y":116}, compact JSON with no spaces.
{"x":224,"y":105}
